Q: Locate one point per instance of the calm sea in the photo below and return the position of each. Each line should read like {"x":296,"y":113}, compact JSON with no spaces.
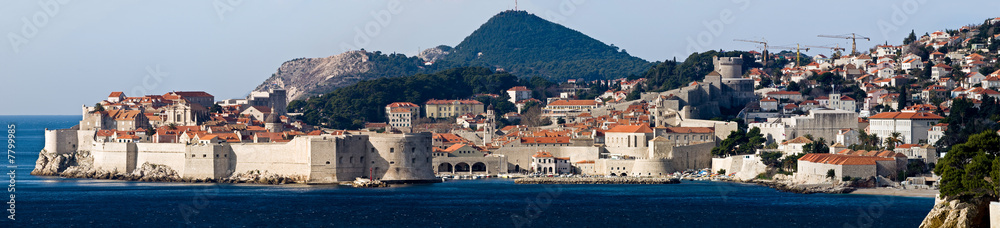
{"x":58,"y":202}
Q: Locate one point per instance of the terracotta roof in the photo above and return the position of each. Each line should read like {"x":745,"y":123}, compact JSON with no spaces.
{"x":518,"y":88}
{"x":907,"y":115}
{"x":542,"y":154}
{"x":840,"y":159}
{"x":402,"y":104}
{"x":116,"y":94}
{"x":631,"y":129}
{"x":191,"y":94}
{"x":549,"y":140}
{"x":799,"y":139}
{"x":399,"y":110}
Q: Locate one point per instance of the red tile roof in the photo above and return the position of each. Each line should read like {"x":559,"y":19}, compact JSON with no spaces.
{"x":518,"y":88}
{"x":907,"y":115}
{"x":631,"y":129}
{"x":402,"y":104}
{"x":573,"y":103}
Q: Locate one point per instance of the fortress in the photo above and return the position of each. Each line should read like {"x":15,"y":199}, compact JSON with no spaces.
{"x":723,"y":88}
{"x":309,"y":159}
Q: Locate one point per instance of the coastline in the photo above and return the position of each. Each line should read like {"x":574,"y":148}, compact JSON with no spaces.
{"x":922,"y":193}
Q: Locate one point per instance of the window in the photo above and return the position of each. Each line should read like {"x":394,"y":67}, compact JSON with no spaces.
{"x":392,"y":150}
{"x":392,"y":162}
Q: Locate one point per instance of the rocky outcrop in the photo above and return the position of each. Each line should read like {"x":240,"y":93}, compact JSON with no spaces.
{"x":258,"y":177}
{"x":434,"y":54}
{"x":51,"y":164}
{"x":305,"y":77}
{"x":80,"y":165}
{"x":597,"y":180}
{"x":804,"y":188}
{"x":949,"y":212}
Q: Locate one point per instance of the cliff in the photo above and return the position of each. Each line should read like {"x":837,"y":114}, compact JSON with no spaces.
{"x":954,"y":213}
{"x":310,"y":76}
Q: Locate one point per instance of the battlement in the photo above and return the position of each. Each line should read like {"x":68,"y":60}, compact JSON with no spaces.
{"x":728,"y":67}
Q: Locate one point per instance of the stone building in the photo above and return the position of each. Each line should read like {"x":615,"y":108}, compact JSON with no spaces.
{"x":451,"y":108}
{"x":724,"y":88}
{"x":820,"y":123}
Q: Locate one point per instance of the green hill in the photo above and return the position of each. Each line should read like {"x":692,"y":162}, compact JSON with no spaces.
{"x":351,"y":106}
{"x":527,"y":45}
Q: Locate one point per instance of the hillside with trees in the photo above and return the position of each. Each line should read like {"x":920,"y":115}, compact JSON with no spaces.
{"x":350,"y":107}
{"x":527,"y":45}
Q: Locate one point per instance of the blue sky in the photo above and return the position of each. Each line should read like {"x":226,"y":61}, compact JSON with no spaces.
{"x":71,"y":53}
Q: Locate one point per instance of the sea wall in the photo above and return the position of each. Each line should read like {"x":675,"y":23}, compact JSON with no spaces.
{"x":63,"y":141}
{"x":697,"y":156}
{"x":520,"y":157}
{"x":404,"y":157}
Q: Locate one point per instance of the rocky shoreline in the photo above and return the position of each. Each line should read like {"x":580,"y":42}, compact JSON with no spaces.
{"x":80,"y":165}
{"x":596,"y":180}
{"x":802,"y":189}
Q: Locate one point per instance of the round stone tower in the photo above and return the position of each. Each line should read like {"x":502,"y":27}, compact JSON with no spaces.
{"x":729,"y":67}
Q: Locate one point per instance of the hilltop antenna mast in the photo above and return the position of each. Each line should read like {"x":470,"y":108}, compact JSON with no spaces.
{"x":515,"y":5}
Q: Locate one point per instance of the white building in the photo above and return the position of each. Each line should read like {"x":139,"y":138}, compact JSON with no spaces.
{"x":912,"y":126}
{"x":518,"y":93}
{"x":543,"y":162}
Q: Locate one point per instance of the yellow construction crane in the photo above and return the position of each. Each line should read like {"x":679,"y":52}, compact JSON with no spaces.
{"x":835,"y":48}
{"x":764,"y":52}
{"x":853,"y":37}
{"x":798,"y":52}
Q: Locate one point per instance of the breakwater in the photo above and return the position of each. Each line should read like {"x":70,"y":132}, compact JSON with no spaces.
{"x":597,"y":180}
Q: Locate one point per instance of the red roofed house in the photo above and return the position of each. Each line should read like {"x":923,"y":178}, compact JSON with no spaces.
{"x":518,"y":93}
{"x":816,"y":166}
{"x":563,"y":107}
{"x":912,"y":126}
{"x":544,"y":163}
{"x":628,"y":136}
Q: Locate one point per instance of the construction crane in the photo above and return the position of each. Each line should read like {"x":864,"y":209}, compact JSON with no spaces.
{"x":798,"y":52}
{"x":835,"y":48}
{"x":763,"y":42}
{"x":853,"y":37}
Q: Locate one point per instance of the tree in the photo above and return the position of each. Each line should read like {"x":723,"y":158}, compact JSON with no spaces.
{"x":740,"y":142}
{"x":98,"y":107}
{"x":172,"y":126}
{"x":831,"y":174}
{"x":216,"y":108}
{"x":793,"y":86}
{"x":771,"y":159}
{"x":909,"y":39}
{"x":971,"y":170}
